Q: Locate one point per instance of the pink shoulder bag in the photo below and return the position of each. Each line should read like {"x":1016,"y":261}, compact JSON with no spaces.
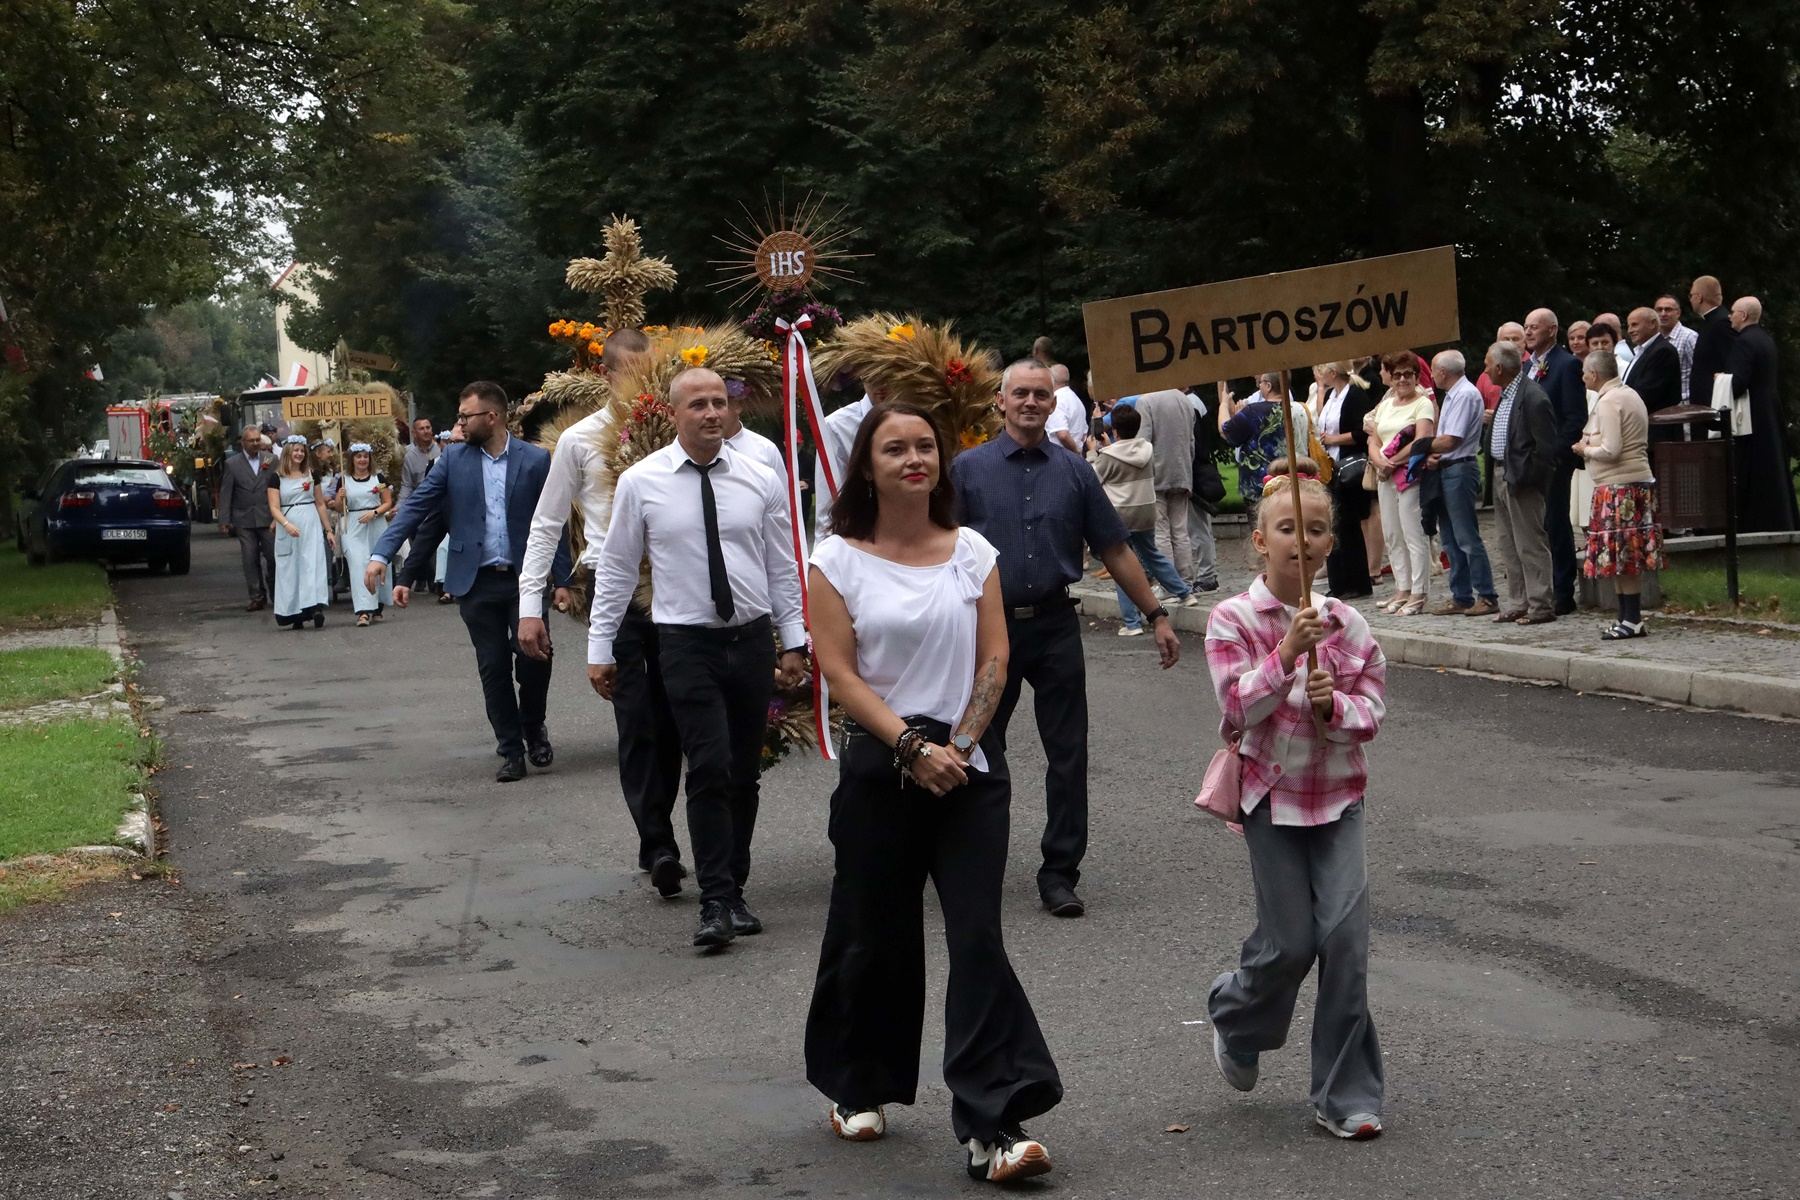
{"x":1221,"y":792}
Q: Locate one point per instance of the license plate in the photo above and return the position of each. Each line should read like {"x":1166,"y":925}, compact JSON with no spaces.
{"x":124,"y":535}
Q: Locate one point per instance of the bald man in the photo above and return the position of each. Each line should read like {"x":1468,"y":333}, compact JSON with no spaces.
{"x":1712,"y":349}
{"x":1654,"y":371}
{"x":1068,"y":424}
{"x":1765,"y":488}
{"x":1555,"y":370}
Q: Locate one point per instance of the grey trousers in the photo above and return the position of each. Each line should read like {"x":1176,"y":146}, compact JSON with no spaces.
{"x":256,"y":546}
{"x":1523,"y":548}
{"x":1200,"y":539}
{"x":1312,"y":903}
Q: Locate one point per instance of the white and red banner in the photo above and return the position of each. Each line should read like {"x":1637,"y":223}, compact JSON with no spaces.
{"x":797,"y":385}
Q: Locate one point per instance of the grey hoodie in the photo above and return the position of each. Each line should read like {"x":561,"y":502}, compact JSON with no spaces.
{"x":1126,"y":469}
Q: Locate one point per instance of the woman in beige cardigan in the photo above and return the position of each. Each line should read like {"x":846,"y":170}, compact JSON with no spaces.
{"x":1624,"y":538}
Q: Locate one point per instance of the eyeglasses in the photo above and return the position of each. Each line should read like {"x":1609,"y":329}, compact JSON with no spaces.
{"x":1404,"y":374}
{"x":463,"y":418}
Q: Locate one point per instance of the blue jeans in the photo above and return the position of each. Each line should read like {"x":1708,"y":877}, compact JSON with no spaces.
{"x":1157,"y":567}
{"x":1470,"y":573}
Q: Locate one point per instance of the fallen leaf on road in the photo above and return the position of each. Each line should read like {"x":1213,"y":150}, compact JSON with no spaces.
{"x":1177,"y":1129}
{"x":282,"y":1060}
{"x":245,"y":1066}
{"x":171,"y":1108}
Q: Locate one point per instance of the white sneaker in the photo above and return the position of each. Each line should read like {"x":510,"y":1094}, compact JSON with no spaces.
{"x":854,"y":1126}
{"x":1012,"y":1157}
{"x":1190,"y":601}
{"x":1131,"y":631}
{"x":1357,"y":1127}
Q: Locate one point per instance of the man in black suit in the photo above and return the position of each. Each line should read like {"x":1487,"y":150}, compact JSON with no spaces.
{"x":1556,"y":372}
{"x":244,"y":514}
{"x":1765,"y":486}
{"x":1527,"y":445}
{"x":1712,"y":352}
{"x":1655,"y":371}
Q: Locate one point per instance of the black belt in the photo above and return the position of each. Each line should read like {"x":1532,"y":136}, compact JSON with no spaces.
{"x":501,"y":568}
{"x":1044,"y":607}
{"x":760,"y":627}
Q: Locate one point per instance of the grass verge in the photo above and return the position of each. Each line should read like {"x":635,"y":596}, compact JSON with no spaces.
{"x":67,"y":782}
{"x":50,"y":596}
{"x":47,"y":878}
{"x":1771,"y":594}
{"x":39,"y":675}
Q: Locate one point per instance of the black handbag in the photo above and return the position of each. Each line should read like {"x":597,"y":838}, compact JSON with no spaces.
{"x":1349,"y":475}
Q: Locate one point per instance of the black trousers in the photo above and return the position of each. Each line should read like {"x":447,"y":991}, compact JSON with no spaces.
{"x":490,"y":611}
{"x":649,"y":743}
{"x":256,"y":546}
{"x":719,"y":682}
{"x":1347,"y":566}
{"x":1046,"y":653}
{"x":868,"y":1005}
{"x":1561,"y":534}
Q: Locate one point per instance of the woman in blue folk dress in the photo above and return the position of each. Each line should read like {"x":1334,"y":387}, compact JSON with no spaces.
{"x":302,"y":585}
{"x":365,"y":500}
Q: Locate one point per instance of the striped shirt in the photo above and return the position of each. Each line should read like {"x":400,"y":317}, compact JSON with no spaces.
{"x":1308,"y":780}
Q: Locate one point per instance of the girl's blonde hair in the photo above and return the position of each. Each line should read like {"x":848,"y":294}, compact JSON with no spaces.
{"x":1281,"y":479}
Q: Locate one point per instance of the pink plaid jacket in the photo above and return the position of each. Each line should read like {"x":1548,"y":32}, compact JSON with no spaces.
{"x":1308,"y":781}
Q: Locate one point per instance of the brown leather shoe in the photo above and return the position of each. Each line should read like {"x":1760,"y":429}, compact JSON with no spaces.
{"x":255,"y":606}
{"x":1481,"y":608}
{"x":1539,"y":619}
{"x":1450,"y":608}
{"x":1510,"y":617}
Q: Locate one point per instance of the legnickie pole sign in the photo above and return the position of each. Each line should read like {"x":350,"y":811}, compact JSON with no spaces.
{"x":1269,"y":322}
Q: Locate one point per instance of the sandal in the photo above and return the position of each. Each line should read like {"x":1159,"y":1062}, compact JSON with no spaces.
{"x":362,"y":620}
{"x":1413,"y":607}
{"x":1624,"y":629}
{"x":1400,"y":601}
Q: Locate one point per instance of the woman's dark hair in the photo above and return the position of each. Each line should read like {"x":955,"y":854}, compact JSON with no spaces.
{"x":1125,"y":420}
{"x":854,"y":511}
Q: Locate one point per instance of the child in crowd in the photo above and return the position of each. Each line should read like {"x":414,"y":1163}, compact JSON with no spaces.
{"x":1127,"y":472}
{"x":1304,"y":775}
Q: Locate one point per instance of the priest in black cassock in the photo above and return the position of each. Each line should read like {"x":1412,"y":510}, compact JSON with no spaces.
{"x":1765,"y":484}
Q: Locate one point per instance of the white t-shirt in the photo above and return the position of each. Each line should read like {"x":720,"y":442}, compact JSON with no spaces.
{"x":1071,"y":415}
{"x":915,"y":626}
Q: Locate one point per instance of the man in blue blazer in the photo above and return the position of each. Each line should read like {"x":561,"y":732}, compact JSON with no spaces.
{"x":1556,"y":371}
{"x":481,"y":495}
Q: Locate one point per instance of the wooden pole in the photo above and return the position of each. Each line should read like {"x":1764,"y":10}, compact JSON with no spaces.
{"x":1293,"y":465}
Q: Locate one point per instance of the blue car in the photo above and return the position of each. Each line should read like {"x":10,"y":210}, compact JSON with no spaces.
{"x":113,"y":510}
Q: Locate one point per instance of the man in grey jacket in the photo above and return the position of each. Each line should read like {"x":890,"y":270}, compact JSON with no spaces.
{"x":420,"y":454}
{"x":1168,"y":425}
{"x":244,"y":514}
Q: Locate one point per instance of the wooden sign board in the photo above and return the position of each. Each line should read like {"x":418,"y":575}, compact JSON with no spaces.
{"x":336,"y":408}
{"x":367,"y":360}
{"x":1188,"y":336}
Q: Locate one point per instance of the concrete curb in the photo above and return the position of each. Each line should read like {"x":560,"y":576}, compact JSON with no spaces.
{"x":1757,"y":695}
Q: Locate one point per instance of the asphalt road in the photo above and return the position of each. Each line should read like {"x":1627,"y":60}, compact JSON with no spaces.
{"x":1584,"y":965}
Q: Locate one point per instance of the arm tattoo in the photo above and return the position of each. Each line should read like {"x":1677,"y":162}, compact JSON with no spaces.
{"x":982,"y":701}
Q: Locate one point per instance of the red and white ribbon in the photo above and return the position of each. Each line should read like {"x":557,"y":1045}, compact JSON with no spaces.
{"x":797,"y":382}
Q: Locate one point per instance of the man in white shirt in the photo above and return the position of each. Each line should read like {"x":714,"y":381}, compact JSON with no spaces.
{"x":649,"y":746}
{"x":1668,"y":319}
{"x":715,"y":526}
{"x":840,"y":436}
{"x":1068,"y":424}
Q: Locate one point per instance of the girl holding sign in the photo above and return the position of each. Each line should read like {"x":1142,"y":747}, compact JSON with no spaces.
{"x":1302,"y":688}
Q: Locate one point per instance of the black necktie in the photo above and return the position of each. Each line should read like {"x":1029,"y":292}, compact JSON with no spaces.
{"x":715,"y":553}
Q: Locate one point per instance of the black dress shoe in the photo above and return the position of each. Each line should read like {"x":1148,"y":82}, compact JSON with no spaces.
{"x":666,"y":873}
{"x":1062,"y":901}
{"x":742,"y":919}
{"x":511,"y":770}
{"x":538,"y":747}
{"x":1564,"y":608}
{"x":715,"y":926}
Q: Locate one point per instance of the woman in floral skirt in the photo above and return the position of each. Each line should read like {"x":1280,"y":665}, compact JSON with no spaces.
{"x":1624,"y":538}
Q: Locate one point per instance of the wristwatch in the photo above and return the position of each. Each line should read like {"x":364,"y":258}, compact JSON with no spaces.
{"x":962,"y":743}
{"x":1158,"y":611}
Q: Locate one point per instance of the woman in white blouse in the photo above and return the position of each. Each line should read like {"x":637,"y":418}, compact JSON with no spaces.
{"x":909,"y":630}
